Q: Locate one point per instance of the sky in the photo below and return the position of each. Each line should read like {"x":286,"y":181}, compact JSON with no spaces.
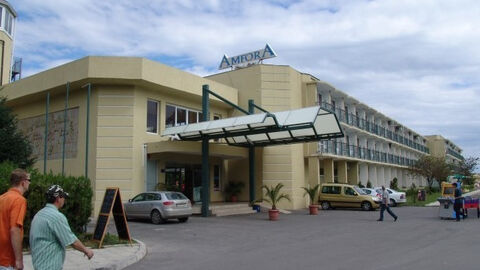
{"x":417,"y":62}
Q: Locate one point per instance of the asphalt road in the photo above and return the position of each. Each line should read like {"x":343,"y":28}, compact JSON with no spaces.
{"x":335,"y":239}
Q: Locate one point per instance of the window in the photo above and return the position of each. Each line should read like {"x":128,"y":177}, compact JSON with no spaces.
{"x":139,"y":198}
{"x":149,"y":197}
{"x":181,"y":116}
{"x":331,"y":189}
{"x":178,"y":116}
{"x":175,"y":196}
{"x":319,"y":99}
{"x":8,"y":22}
{"x":216,"y":178}
{"x":192,"y":117}
{"x":152,"y":116}
{"x":349,"y":191}
{"x":170,"y":116}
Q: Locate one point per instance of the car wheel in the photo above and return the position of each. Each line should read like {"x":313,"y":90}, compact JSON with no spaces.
{"x":156,"y":217}
{"x":366,"y":206}
{"x":393,"y":203}
{"x":183,"y":219}
{"x":325,"y":205}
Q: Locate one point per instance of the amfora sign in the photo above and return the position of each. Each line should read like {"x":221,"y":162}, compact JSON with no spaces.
{"x":247,"y":58}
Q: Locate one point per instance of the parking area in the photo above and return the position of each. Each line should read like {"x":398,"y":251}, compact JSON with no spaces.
{"x":335,"y":239}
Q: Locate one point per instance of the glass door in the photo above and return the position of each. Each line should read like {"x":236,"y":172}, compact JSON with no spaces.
{"x":197,"y":183}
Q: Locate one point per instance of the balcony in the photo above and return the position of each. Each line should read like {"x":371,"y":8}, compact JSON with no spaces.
{"x":342,"y":149}
{"x":368,"y":126}
{"x":455,"y":154}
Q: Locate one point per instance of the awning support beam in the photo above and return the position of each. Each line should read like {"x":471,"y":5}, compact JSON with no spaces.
{"x":251,"y":158}
{"x":205,"y":155}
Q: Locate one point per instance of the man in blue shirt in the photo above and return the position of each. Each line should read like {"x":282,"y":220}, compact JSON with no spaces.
{"x":458,"y":204}
{"x":50,"y":233}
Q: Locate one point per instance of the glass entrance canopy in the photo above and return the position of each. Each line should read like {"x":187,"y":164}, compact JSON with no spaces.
{"x":301,"y":125}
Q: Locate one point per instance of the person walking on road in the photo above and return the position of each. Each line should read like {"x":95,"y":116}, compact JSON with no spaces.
{"x":13,"y":207}
{"x":50,"y":233}
{"x":384,"y":205}
{"x":458,"y":203}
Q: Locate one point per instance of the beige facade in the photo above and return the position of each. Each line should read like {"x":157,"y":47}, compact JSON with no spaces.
{"x":119,"y":143}
{"x":126,"y":149}
{"x":443,"y":148}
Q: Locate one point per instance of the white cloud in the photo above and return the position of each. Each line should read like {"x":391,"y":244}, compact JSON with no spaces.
{"x":415,"y":61}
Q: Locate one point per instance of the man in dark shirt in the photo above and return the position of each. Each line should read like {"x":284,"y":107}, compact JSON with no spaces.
{"x":458,"y":204}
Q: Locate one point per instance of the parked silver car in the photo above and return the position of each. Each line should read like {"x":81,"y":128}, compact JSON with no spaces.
{"x":158,"y":206}
{"x":396,"y":197}
{"x":373,"y":192}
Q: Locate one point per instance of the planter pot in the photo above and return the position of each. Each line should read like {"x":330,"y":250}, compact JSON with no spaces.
{"x":273,"y":214}
{"x":233,"y":199}
{"x":313,"y":209}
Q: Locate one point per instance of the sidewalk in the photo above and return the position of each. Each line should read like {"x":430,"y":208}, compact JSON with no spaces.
{"x":110,"y":257}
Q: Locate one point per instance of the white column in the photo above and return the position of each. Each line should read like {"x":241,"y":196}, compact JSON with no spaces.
{"x":372,"y":174}
{"x":363,"y":173}
{"x":381,"y":177}
{"x":388,"y":174}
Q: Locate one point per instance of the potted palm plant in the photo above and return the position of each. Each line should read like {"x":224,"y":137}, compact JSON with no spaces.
{"x":273,"y":196}
{"x":312,"y":194}
{"x":233,"y":189}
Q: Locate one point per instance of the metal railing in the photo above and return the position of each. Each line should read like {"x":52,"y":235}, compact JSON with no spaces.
{"x":342,"y":149}
{"x":455,"y":154}
{"x":353,"y":120}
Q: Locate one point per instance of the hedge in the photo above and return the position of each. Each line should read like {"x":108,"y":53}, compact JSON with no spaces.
{"x":77,"y":208}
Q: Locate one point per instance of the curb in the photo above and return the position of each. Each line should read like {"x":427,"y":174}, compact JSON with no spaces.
{"x":139,"y":254}
{"x":108,"y":258}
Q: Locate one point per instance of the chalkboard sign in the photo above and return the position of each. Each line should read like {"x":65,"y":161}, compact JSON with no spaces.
{"x":108,"y":201}
{"x":111,"y":202}
{"x":100,"y":228}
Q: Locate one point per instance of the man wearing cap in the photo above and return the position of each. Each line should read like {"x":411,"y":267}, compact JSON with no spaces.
{"x":13,"y":207}
{"x":50,"y":233}
{"x":458,"y":203}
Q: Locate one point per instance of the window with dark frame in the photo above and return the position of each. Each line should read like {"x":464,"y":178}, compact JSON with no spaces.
{"x":152,"y":116}
{"x":181,"y":116}
{"x":178,"y":116}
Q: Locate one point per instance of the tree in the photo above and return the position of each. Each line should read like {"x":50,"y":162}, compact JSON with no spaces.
{"x":432,"y":168}
{"x":14,"y":146}
{"x":467,"y":168}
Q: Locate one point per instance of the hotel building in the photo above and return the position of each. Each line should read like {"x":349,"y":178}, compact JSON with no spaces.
{"x":112,"y":112}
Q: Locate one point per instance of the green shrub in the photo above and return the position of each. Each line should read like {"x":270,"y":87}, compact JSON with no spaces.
{"x":77,"y":208}
{"x":412,"y":192}
{"x":369,"y":184}
{"x":394,"y":184}
{"x":431,"y":190}
{"x":360,"y":185}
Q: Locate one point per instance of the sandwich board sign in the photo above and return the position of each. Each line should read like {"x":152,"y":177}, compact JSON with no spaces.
{"x":112,"y":203}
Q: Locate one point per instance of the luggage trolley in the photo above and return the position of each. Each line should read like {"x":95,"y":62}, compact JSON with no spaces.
{"x":470,"y":203}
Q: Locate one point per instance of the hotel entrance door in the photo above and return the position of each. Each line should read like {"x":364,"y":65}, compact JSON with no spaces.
{"x":186,"y":179}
